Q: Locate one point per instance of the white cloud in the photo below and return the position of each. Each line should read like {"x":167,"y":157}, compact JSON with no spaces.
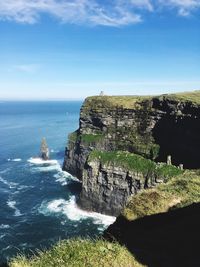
{"x":120,"y":12}
{"x":184,"y":7}
{"x":90,"y":12}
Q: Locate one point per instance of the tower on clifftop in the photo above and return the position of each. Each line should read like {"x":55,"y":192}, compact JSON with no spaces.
{"x":101,"y":93}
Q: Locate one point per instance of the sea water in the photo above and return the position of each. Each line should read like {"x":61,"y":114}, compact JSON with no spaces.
{"x":37,"y":199}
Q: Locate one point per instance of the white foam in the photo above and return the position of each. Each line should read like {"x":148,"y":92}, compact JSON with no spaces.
{"x":73,"y":212}
{"x":5,"y":171}
{"x":4,"y":226}
{"x":9,"y":184}
{"x":68,"y":175}
{"x":41,"y":161}
{"x":48,"y":168}
{"x":11,"y":204}
{"x":4,"y":181}
{"x":52,"y":165}
{"x":22,"y":187}
{"x":64,"y":177}
{"x":61,"y":179}
{"x":15,"y":160}
{"x":2,"y":236}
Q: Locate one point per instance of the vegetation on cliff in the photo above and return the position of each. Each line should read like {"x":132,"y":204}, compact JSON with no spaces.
{"x":178,"y":192}
{"x":134,"y":162}
{"x":91,"y":138}
{"x":126,"y":102}
{"x":127,"y":134}
{"x":193,"y":97}
{"x":80,"y":253}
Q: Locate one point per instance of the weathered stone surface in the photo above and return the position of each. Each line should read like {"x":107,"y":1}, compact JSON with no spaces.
{"x":159,"y":122}
{"x":107,"y":187}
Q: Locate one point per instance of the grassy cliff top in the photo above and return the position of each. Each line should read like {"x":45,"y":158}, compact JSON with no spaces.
{"x":193,"y":97}
{"x":135,"y":163}
{"x":113,"y":101}
{"x":80,"y":253}
{"x":95,"y":102}
{"x":178,"y":192}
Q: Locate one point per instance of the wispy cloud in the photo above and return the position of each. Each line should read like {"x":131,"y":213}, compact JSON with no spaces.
{"x":120,"y":12}
{"x":27,"y":68}
{"x":90,"y":12}
{"x":184,"y":7}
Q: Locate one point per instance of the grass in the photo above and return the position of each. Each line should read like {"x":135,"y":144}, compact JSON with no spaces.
{"x":72,"y":137}
{"x":193,"y":97}
{"x":124,"y":159}
{"x":91,"y":138}
{"x":134,"y":162}
{"x":99,"y":102}
{"x":178,"y":192}
{"x":80,"y":253}
{"x":96,"y":102}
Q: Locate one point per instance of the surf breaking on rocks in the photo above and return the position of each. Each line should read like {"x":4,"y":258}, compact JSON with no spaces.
{"x":62,"y":206}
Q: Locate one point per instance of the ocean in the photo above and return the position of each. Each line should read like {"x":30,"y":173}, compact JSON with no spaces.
{"x":37,"y":199}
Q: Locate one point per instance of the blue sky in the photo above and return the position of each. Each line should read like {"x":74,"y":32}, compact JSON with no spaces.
{"x":62,"y":49}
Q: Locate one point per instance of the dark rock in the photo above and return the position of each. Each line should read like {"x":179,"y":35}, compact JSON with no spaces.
{"x":168,"y":239}
{"x":154,"y":128}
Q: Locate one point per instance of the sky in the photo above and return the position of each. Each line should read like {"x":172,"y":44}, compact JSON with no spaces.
{"x":64,"y":49}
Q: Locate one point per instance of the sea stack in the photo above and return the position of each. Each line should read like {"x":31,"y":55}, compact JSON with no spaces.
{"x":44,"y":150}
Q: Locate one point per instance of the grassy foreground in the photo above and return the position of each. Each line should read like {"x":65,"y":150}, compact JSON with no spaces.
{"x":178,"y":192}
{"x":80,"y":253}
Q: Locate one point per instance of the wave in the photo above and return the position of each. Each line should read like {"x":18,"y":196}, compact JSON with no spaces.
{"x":9,"y":184}
{"x":73,"y":212}
{"x":4,"y":226}
{"x":11,"y":204}
{"x":5,"y":170}
{"x":52,"y":165}
{"x":15,"y":160}
{"x":39,"y":161}
{"x":61,"y":178}
{"x":54,"y":151}
{"x":64,"y":178}
{"x":48,"y":168}
{"x":22,"y":187}
{"x":45,"y":165}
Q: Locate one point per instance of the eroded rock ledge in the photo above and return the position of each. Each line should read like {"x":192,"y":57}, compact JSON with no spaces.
{"x":138,"y":130}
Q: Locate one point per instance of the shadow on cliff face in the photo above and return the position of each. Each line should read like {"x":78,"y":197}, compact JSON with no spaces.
{"x":163,"y":240}
{"x":180,"y":138}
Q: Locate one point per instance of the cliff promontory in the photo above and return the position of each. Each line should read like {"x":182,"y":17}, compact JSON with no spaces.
{"x":123,"y":142}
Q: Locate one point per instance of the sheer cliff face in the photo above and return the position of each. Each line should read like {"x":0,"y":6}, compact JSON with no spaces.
{"x":150,"y":127}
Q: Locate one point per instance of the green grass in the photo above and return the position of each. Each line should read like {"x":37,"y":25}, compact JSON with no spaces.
{"x":124,"y":159}
{"x":91,"y":138}
{"x":178,"y":192}
{"x":95,"y":102}
{"x":99,"y":102}
{"x":72,"y":137}
{"x":193,"y":97}
{"x":167,"y":171}
{"x":80,"y":253}
{"x":134,"y":162}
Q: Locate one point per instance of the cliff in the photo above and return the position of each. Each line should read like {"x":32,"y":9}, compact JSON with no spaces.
{"x":121,"y":137}
{"x":160,"y":226}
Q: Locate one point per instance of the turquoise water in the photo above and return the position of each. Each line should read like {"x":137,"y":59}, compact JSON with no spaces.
{"x":37,"y":200}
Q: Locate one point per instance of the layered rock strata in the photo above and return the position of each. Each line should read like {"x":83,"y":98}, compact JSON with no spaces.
{"x":151,"y":127}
